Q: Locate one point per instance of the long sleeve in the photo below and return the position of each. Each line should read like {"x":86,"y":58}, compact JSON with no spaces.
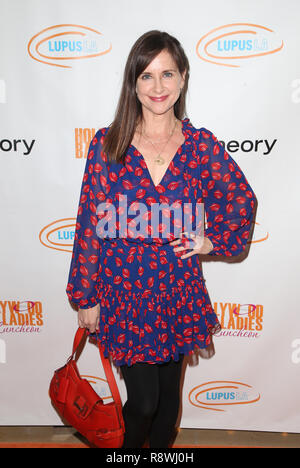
{"x":84,"y":268}
{"x":229,"y":201}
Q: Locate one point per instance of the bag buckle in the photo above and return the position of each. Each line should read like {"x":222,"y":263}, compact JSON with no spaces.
{"x":81,"y":405}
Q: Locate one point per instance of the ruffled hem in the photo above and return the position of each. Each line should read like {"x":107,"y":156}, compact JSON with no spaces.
{"x":155,"y":327}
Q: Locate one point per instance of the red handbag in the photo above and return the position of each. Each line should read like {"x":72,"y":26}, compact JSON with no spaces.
{"x":81,"y":407}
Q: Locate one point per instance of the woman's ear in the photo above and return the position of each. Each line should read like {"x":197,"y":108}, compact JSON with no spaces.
{"x":183,"y":79}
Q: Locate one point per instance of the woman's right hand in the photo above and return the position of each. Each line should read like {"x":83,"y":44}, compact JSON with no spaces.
{"x":89,"y":318}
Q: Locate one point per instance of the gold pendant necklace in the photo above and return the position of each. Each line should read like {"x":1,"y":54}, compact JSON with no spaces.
{"x":159,"y":159}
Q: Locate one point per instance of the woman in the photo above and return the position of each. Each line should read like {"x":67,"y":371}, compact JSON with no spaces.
{"x":141,"y":291}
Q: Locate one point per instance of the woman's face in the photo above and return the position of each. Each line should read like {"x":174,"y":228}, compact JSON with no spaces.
{"x":158,"y":86}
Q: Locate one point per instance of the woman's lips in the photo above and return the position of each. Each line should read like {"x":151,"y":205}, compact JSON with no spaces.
{"x":158,"y":99}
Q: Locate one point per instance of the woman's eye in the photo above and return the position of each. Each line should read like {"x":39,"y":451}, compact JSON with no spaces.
{"x":168,"y":74}
{"x":146,"y":76}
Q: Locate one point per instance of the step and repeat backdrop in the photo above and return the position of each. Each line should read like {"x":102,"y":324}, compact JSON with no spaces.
{"x":61,"y":70}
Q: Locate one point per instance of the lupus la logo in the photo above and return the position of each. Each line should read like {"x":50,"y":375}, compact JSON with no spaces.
{"x":240,"y":320}
{"x":220,"y":394}
{"x":21,"y":316}
{"x":259,"y":234}
{"x":59,"y":235}
{"x":229,"y":45}
{"x":63,"y":45}
{"x":100,"y":386}
{"x":162,"y":220}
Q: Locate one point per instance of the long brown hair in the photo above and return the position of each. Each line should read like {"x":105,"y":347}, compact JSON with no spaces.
{"x":129,"y":109}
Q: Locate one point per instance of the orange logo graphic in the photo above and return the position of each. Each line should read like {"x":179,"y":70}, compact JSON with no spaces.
{"x":83,"y":138}
{"x":259,"y":234}
{"x":59,"y":235}
{"x":229,"y":45}
{"x":100,"y":386}
{"x":64,"y":44}
{"x":21,"y":316}
{"x":218,"y":395}
{"x":240,"y":320}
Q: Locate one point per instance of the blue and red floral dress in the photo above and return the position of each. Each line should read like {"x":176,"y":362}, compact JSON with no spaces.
{"x":153,"y":304}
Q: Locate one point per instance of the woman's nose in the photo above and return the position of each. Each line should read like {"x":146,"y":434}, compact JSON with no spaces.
{"x":158,"y":85}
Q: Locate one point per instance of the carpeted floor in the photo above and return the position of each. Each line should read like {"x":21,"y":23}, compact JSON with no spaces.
{"x":29,"y":445}
{"x":67,"y":437}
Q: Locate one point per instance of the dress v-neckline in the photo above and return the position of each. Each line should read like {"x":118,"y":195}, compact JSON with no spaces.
{"x":172,"y":160}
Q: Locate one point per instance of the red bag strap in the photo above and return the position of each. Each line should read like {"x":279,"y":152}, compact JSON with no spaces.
{"x":77,"y":339}
{"x":81,"y":332}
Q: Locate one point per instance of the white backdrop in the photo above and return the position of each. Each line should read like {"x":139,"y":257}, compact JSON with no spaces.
{"x":61,"y":70}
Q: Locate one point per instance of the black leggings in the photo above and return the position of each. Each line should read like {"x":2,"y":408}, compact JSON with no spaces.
{"x":153,"y":398}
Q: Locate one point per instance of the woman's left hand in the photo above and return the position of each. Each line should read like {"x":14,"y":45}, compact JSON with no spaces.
{"x":198,"y":244}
